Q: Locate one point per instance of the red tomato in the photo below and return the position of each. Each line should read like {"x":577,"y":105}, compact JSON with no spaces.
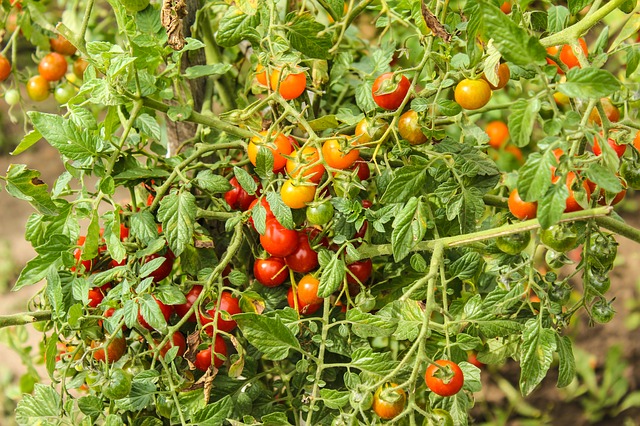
{"x":5,"y":68}
{"x":291,"y":87}
{"x":267,"y":207}
{"x":228,"y":304}
{"x":79,"y":67}
{"x":296,"y":196}
{"x":335,"y":157}
{"x":77,"y":254}
{"x":602,"y":197}
{"x":568,"y":57}
{"x":523,"y":210}
{"x":191,"y":297}
{"x":270,"y":272}
{"x":389,"y":90}
{"x":53,"y":66}
{"x":115,"y":349}
{"x":277,"y":240}
{"x":237,"y":197}
{"x":308,"y":290}
{"x":96,"y":295}
{"x":303,"y":308}
{"x":505,"y":7}
{"x":498,"y":133}
{"x":472,"y":94}
{"x":176,"y":340}
{"x":359,"y":272}
{"x":445,"y":381}
{"x":362,"y":169}
{"x":301,"y":164}
{"x":166,"y":311}
{"x":62,"y":46}
{"x":473,"y":359}
{"x":165,"y":267}
{"x":278,"y":144}
{"x":203,"y":358}
{"x":572,"y":205}
{"x":619,"y":149}
{"x":304,"y":258}
{"x":389,"y":401}
{"x":38,"y":88}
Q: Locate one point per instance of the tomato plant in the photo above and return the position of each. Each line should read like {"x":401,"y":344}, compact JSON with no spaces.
{"x":329,"y":199}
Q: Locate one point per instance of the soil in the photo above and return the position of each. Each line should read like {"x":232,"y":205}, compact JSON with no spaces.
{"x":547,"y":405}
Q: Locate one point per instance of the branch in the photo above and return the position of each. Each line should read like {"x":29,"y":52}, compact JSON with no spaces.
{"x":24,"y":318}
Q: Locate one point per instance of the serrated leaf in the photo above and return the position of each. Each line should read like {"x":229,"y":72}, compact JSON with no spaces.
{"x":332,"y":276}
{"x":566,"y":361}
{"x":150,"y":311}
{"x":576,"y":6}
{"x":407,"y":182}
{"x":557,"y":18}
{"x":521,"y":120}
{"x":366,"y":325}
{"x":536,"y":355}
{"x":281,"y":211}
{"x":308,"y":36}
{"x":236,"y":26}
{"x":65,"y":136}
{"x":245,"y":180}
{"x":335,"y":399}
{"x":269,"y":335}
{"x":25,"y":184}
{"x":376,"y":363}
{"x":552,"y":205}
{"x":589,"y":83}
{"x":214,"y":414}
{"x":604,"y":178}
{"x":27,"y":142}
{"x":178,"y":214}
{"x":43,"y":404}
{"x":467,"y":266}
{"x":534,"y":177}
{"x":212,"y":183}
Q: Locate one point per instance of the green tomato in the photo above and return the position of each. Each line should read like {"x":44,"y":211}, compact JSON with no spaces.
{"x":560,"y":293}
{"x":598,"y":280}
{"x":135,"y":6}
{"x":12,"y":97}
{"x":360,"y":399}
{"x":602,"y":312}
{"x":602,"y":250}
{"x":513,"y":244}
{"x":319,"y":214}
{"x":556,"y":260}
{"x":164,"y":405}
{"x":438,"y":417}
{"x":629,"y":170}
{"x":118,"y":384}
{"x":64,"y":93}
{"x":561,"y":237}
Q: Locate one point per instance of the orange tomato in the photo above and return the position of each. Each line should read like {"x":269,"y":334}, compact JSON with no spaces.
{"x":300,"y":163}
{"x":498,"y":133}
{"x":279,"y":145}
{"x":335,"y":157}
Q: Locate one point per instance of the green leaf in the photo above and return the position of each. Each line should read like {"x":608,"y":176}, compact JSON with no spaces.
{"x":212,"y":183}
{"x":141,"y":395}
{"x":323,"y":123}
{"x":198,"y":71}
{"x":467,"y":266}
{"x":308,"y":36}
{"x":364,"y":97}
{"x":151,"y":313}
{"x":557,"y":18}
{"x":180,"y":112}
{"x":448,"y":107}
{"x":589,"y":83}
{"x":335,"y":399}
{"x":534,"y":177}
{"x":178,"y":214}
{"x":245,"y":180}
{"x":43,"y":405}
{"x":376,"y":363}
{"x":567,"y":362}
{"x":214,"y":414}
{"x":332,"y":276}
{"x":366,"y":325}
{"x":536,"y":355}
{"x":552,"y":205}
{"x":90,"y":406}
{"x":409,"y":228}
{"x":143,"y":226}
{"x":269,"y":335}
{"x":27,"y":142}
{"x":576,"y":6}
{"x":25,"y":184}
{"x":149,"y":126}
{"x":236,"y":26}
{"x":36,"y":269}
{"x":633,"y":59}
{"x":513,"y":41}
{"x":521,"y":120}
{"x":407,"y":182}
{"x":281,"y":211}
{"x":604,"y":178}
{"x":64,"y":136}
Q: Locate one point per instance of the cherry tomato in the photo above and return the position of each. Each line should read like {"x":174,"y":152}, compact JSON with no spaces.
{"x":165,"y":310}
{"x":304,"y":258}
{"x":228,"y":304}
{"x":79,"y":67}
{"x":164,"y":270}
{"x":505,"y":7}
{"x":618,"y":149}
{"x":320,"y":213}
{"x":5,"y":68}
{"x":513,"y":244}
{"x":53,"y":66}
{"x":610,"y":110}
{"x":296,"y":196}
{"x":389,"y":401}
{"x":308,"y":290}
{"x":410,"y":129}
{"x":571,"y":204}
{"x":291,"y":86}
{"x":602,"y":249}
{"x":12,"y":97}
{"x":359,"y":272}
{"x":237,"y":197}
{"x":596,"y":279}
{"x":38,"y":88}
{"x":270,"y":272}
{"x":472,"y":358}
{"x":62,"y":46}
{"x":498,"y":133}
{"x":445,"y":381}
{"x":368,"y":130}
{"x":523,"y":210}
{"x":303,"y":308}
{"x":472,"y":94}
{"x":203,"y":358}
{"x":261,"y":75}
{"x":630,"y":171}
{"x":191,"y":297}
{"x":568,"y":57}
{"x":96,"y":296}
{"x":300,"y":164}
{"x":603,"y":196}
{"x":636,"y":141}
{"x":176,"y":340}
{"x":389,"y":90}
{"x":277,"y":240}
{"x":335,"y":157}
{"x":64,"y":93}
{"x":504,"y":74}
{"x":362,"y":169}
{"x":267,"y":208}
{"x":116,"y":348}
{"x":118,"y":384}
{"x":561,"y":237}
{"x":602,"y":312}
{"x":277,"y":143}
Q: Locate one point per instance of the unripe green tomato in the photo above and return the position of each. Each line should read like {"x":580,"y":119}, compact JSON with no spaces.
{"x":360,"y":400}
{"x":629,"y":170}
{"x":164,"y":405}
{"x":118,"y":384}
{"x":556,"y":260}
{"x":597,"y":280}
{"x":12,"y":97}
{"x":438,"y":417}
{"x":135,"y":6}
{"x":319,"y":214}
{"x":515,"y":243}
{"x":64,"y":93}
{"x":561,"y":237}
{"x":602,"y":250}
{"x":602,"y":312}
{"x":560,"y":293}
